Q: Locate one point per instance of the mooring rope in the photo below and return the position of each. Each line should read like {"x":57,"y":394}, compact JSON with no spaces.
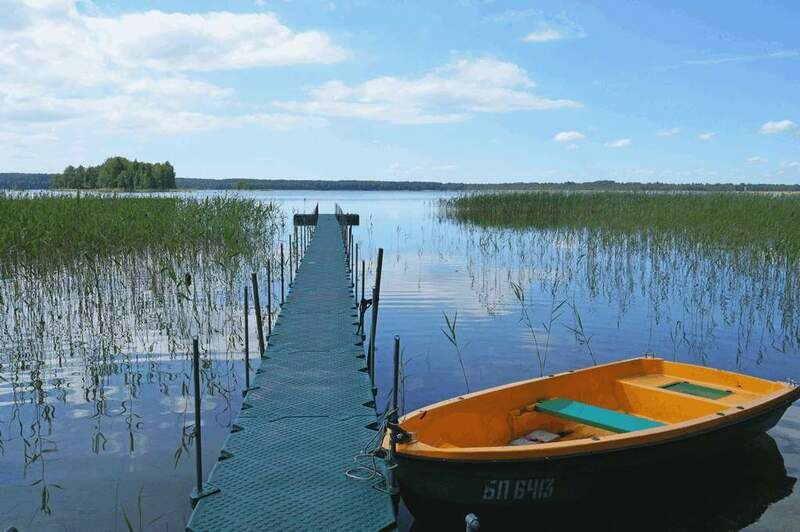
{"x":366,"y":460}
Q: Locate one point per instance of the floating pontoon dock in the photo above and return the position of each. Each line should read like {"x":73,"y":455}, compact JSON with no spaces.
{"x":283,"y":465}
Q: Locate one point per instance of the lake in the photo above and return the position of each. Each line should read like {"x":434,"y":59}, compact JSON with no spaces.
{"x":110,"y":440}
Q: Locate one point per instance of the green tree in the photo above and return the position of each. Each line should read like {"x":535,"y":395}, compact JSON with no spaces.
{"x":118,"y":173}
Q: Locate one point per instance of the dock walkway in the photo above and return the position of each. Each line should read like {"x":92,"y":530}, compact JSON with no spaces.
{"x":283,"y":466}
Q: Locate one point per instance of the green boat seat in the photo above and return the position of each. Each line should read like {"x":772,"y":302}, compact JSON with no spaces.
{"x":696,"y":389}
{"x":595,"y":416}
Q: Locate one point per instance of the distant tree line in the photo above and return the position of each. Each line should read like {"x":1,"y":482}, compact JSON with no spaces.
{"x":118,"y":173}
{"x":355,"y":184}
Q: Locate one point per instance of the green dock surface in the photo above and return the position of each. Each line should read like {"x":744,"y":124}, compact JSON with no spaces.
{"x":283,"y":467}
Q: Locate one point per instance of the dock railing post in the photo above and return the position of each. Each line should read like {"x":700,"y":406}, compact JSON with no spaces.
{"x":355,"y":279}
{"x":282,"y":277}
{"x":269,"y":297}
{"x":392,"y":419}
{"x":201,"y":490}
{"x":246,"y":344}
{"x":376,"y":295}
{"x":395,"y":386}
{"x":198,"y":435}
{"x":259,"y":319}
{"x":290,"y":260}
{"x":295,"y":244}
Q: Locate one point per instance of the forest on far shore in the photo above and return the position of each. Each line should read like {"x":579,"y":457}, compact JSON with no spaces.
{"x":118,"y":173}
{"x":121,"y":174}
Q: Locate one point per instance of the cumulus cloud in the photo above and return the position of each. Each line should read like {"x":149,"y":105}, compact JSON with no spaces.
{"x":756,"y":159}
{"x":452,"y":93}
{"x":569,"y":136}
{"x":619,"y":143}
{"x":777,"y":126}
{"x":64,"y":63}
{"x":543,"y":34}
{"x":209,"y":41}
{"x":53,"y":32}
{"x":706,"y":136}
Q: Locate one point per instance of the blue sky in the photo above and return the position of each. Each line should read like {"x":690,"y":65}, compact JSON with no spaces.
{"x":465,"y":90}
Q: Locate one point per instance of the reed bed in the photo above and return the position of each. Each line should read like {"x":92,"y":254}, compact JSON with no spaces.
{"x":101,"y":296}
{"x":44,"y":231}
{"x":761,"y":223}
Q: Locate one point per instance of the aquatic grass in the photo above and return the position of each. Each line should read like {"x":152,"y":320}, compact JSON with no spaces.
{"x":767,"y":224}
{"x":581,"y":338}
{"x":44,"y":231}
{"x":98,"y":287}
{"x":451,"y":333}
{"x":556,"y":304}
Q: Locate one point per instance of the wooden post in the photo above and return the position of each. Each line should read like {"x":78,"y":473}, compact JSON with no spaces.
{"x":259,"y":320}
{"x":376,"y":295}
{"x":246,"y":343}
{"x":200,"y":489}
{"x":396,"y":383}
{"x":290,"y":260}
{"x":295,"y":243}
{"x":355,"y":279}
{"x":282,"y":281}
{"x":269,"y":297}
{"x":198,"y":436}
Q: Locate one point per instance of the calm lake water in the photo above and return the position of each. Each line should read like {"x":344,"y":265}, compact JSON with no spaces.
{"x":108,"y":435}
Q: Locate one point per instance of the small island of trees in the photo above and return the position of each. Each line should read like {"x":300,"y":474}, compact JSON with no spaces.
{"x":118,"y":173}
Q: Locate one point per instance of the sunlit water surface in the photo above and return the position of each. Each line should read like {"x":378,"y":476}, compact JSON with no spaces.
{"x":125,"y":454}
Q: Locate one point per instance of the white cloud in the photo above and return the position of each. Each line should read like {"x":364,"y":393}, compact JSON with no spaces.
{"x":777,"y":126}
{"x":569,"y":136}
{"x":61,"y":66}
{"x":554,"y":29}
{"x":82,"y":48}
{"x":756,"y":159}
{"x":177,"y":86}
{"x":619,"y":143}
{"x":543,"y":34}
{"x":723,"y":59}
{"x":447,"y":94}
{"x":706,"y":136}
{"x":204,"y":42}
{"x":670,"y":132}
{"x":790,"y":164}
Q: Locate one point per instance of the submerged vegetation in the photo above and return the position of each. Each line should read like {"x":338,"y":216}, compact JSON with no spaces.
{"x":762,"y":223}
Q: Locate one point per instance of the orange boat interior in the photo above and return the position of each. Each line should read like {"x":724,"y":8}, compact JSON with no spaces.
{"x":640,"y":393}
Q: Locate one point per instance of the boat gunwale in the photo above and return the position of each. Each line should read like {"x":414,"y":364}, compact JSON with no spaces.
{"x":728,"y":416}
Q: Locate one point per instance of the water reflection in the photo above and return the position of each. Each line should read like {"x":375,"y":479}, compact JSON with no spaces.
{"x":99,"y":417}
{"x":95,"y":398}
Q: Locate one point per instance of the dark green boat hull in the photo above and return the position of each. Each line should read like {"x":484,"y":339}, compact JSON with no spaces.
{"x":445,"y":488}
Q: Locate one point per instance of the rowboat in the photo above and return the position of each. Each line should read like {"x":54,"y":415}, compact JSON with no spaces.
{"x":566,"y":437}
